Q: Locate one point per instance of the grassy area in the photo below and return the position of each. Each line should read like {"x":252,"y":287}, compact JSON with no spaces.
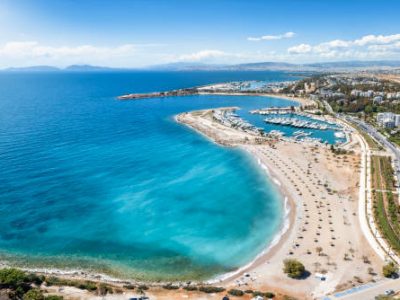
{"x":370,"y":141}
{"x":395,"y":139}
{"x":385,"y":207}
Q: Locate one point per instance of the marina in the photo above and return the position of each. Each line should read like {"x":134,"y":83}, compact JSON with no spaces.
{"x":274,"y":110}
{"x":288,"y":121}
{"x":230,"y":119}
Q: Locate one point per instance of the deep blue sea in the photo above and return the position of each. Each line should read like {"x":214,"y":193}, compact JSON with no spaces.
{"x":89,"y":182}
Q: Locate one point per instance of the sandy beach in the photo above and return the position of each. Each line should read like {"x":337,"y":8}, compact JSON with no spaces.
{"x":321,"y":189}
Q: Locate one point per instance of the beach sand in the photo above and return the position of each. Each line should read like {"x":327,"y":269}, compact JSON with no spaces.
{"x":324,"y":232}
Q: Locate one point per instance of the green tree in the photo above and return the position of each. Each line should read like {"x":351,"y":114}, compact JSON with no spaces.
{"x":12,"y":277}
{"x":293,"y":268}
{"x":34,"y":294}
{"x":368,"y":109}
{"x":389,"y":269}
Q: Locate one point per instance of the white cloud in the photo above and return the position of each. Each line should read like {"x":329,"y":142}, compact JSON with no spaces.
{"x":366,"y":47}
{"x":330,"y":46}
{"x":377,"y":39}
{"x":203,"y":55}
{"x":34,"y":49}
{"x":300,"y":49}
{"x":286,"y":35}
{"x":25,"y":53}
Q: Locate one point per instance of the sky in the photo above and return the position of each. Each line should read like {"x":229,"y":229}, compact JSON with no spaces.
{"x":139,"y":33}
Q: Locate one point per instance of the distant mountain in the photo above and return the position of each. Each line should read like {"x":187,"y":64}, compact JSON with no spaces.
{"x":264,"y":66}
{"x":33,"y":69}
{"x":281,"y":66}
{"x":356,"y":64}
{"x":257,"y":66}
{"x":184,"y":66}
{"x":72,"y":68}
{"x":81,"y":68}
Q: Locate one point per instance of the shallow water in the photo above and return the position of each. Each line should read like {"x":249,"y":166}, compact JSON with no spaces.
{"x":90,"y":182}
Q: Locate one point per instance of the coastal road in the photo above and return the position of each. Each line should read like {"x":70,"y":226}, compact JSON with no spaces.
{"x":367,"y":291}
{"x":371,"y":232}
{"x":382,"y":140}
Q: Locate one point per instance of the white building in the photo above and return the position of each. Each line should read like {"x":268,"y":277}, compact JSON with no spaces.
{"x":388,"y":119}
{"x":378,"y":99}
{"x":391,"y":96}
{"x":358,"y":93}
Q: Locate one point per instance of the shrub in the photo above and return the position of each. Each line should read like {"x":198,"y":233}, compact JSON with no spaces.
{"x":235,"y":292}
{"x":12,"y":278}
{"x":170,"y":287}
{"x":83,"y":285}
{"x":269,"y":295}
{"x":15,"y":280}
{"x":262,"y":294}
{"x":190,"y":288}
{"x":87,"y":285}
{"x":104,"y":289}
{"x":143,"y":287}
{"x":35,"y":279}
{"x":54,"y":297}
{"x":129,"y":286}
{"x":389,"y":269}
{"x":293,"y":268}
{"x":33,"y":294}
{"x":211,"y":289}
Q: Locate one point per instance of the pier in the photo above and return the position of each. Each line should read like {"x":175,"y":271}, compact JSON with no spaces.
{"x":230,"y":119}
{"x":288,"y":121}
{"x":275,"y":110}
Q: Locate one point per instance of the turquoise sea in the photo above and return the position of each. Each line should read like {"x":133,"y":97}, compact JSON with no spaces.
{"x":89,"y":182}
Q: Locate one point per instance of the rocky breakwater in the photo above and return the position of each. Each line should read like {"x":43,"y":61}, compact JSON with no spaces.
{"x":173,"y":93}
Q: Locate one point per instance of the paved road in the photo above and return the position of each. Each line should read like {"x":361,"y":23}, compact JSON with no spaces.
{"x":367,"y":291}
{"x":396,"y":153}
{"x":381,"y":139}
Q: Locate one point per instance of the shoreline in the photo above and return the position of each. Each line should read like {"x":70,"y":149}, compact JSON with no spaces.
{"x":288,"y":221}
{"x":294,"y":167}
{"x":317,"y":182}
{"x":279,"y":238}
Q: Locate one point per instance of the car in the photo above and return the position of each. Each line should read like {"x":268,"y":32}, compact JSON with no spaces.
{"x":389,"y":292}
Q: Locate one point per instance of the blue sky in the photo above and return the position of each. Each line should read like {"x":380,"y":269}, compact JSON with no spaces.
{"x":138,"y":33}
